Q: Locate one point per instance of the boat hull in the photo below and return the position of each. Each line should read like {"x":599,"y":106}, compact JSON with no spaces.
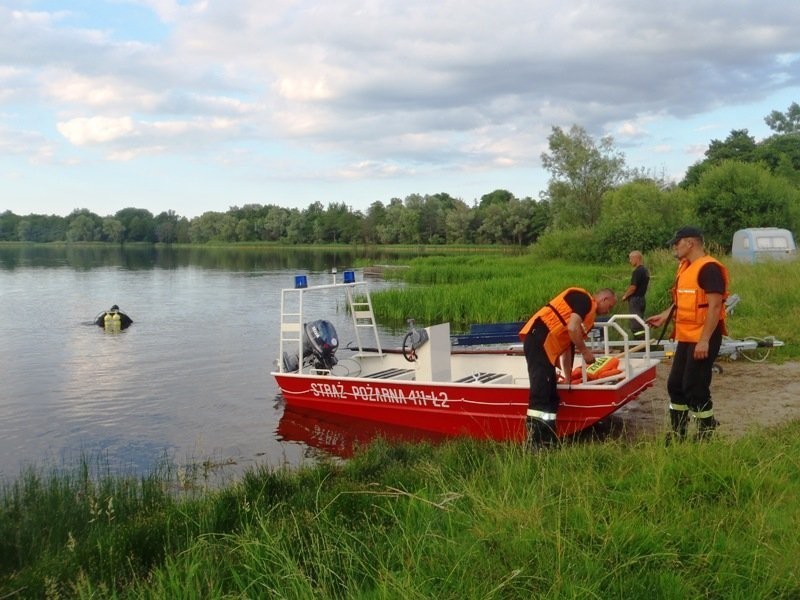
{"x":456,"y":409}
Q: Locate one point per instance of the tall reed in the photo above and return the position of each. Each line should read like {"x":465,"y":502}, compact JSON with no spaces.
{"x":486,"y":289}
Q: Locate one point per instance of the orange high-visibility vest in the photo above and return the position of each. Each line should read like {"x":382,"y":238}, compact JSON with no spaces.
{"x":555,"y":315}
{"x":691,"y":300}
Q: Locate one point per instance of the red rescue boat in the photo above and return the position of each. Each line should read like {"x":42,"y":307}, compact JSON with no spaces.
{"x":431,"y":385}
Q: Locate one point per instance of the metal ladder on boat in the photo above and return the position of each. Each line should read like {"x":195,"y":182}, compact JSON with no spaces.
{"x":360,"y":304}
{"x":291,"y":325}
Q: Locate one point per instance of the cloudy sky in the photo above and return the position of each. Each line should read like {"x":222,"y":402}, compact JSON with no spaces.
{"x":199,"y":105}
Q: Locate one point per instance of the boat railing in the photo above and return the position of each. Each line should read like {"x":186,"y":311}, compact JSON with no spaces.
{"x":622,"y":345}
{"x":615,"y":340}
{"x":359,"y":304}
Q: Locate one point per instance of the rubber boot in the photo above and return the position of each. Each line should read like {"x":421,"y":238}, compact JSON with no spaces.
{"x":679,"y":421}
{"x":540,"y":434}
{"x":705,"y":428}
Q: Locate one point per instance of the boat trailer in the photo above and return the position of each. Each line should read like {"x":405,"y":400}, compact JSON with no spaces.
{"x":753,"y":349}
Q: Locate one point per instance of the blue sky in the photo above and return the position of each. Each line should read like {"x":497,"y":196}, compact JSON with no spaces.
{"x":200,"y":105}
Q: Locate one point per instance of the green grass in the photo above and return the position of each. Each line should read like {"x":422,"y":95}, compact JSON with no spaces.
{"x":466,"y":519}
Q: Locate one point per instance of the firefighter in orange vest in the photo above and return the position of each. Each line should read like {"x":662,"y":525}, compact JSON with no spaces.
{"x":698,"y":303}
{"x":555,"y":332}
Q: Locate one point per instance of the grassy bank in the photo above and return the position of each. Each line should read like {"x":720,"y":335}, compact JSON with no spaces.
{"x":485,"y":289}
{"x":462,"y":520}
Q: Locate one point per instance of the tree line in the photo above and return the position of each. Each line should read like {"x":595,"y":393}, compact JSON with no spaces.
{"x":499,"y":218}
{"x":593,"y":200}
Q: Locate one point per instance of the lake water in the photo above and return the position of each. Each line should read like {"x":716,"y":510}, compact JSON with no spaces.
{"x":189,"y":381}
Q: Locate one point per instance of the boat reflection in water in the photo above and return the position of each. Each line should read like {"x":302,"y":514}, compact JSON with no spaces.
{"x":339,"y":435}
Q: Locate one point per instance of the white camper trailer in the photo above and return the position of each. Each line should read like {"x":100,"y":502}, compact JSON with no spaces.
{"x":763,"y":243}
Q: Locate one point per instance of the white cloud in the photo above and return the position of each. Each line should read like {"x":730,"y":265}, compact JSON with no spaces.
{"x":384,"y":88}
{"x":84,"y":91}
{"x":84,"y":131}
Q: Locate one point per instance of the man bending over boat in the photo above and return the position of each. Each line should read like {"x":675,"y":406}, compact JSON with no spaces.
{"x":113,"y":319}
{"x":554,"y":333}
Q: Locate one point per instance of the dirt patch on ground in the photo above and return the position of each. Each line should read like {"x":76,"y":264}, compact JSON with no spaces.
{"x":745,"y":395}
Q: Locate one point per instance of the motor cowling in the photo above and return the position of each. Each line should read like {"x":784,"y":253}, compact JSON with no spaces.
{"x":321,"y":343}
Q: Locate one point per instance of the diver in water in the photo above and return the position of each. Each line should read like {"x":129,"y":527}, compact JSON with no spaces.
{"x":113,"y":320}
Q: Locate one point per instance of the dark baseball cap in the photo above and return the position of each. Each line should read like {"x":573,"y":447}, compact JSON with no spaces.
{"x":686,"y":232}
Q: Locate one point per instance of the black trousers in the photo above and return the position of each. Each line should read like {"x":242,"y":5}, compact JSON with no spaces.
{"x":637,"y":306}
{"x":689,"y":381}
{"x":543,"y":395}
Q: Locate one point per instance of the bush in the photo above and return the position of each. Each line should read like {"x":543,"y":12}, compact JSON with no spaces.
{"x":578,"y":245}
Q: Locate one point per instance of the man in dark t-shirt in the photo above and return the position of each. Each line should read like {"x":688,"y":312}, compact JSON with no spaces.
{"x":699,"y":294}
{"x":634,"y":295}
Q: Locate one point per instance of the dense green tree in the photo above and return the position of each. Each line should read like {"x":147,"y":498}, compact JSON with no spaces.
{"x":739,"y":145}
{"x":788,"y":122}
{"x":249,"y":212}
{"x":274,"y":225}
{"x":83,"y":228}
{"x":522,"y":226}
{"x":206,"y":228}
{"x":113,"y":230}
{"x":139,"y":224}
{"x":42,"y":228}
{"x":495,"y":197}
{"x":540,"y":218}
{"x":313,"y":225}
{"x":458,"y":224}
{"x":168,"y":227}
{"x":375,"y":218}
{"x":734,"y":195}
{"x":389,"y":231}
{"x":245,"y":230}
{"x":781,"y":155}
{"x":409,"y":227}
{"x":433,"y":218}
{"x":495,"y":224}
{"x":582,"y":170}
{"x":226,"y":229}
{"x":24,"y":230}
{"x":295,"y":227}
{"x":640,"y":216}
{"x":493,"y":220}
{"x":8,"y":226}
{"x":338,"y":224}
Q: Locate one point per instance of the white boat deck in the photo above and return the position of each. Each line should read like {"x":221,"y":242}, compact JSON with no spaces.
{"x":436,"y":360}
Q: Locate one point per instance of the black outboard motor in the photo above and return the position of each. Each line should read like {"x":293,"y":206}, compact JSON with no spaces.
{"x":321,"y":343}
